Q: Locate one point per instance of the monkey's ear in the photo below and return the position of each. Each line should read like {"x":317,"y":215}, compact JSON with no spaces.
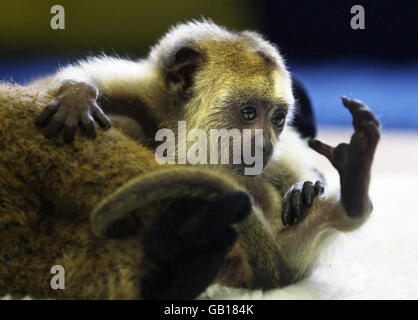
{"x":185,"y":63}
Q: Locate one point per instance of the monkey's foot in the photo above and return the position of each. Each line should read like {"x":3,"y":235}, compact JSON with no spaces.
{"x":190,"y":243}
{"x":298,"y":199}
{"x":353,"y":161}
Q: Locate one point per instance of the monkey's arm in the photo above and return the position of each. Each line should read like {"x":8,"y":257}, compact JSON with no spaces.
{"x":301,"y":242}
{"x":80,"y":92}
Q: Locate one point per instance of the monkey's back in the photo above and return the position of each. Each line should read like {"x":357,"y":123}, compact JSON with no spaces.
{"x":47,"y":191}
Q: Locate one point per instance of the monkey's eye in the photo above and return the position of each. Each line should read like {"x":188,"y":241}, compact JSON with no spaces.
{"x":278,"y":119}
{"x":249,"y":113}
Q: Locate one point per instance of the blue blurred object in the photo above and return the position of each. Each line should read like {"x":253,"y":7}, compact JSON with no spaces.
{"x":25,"y":69}
{"x":391,"y":90}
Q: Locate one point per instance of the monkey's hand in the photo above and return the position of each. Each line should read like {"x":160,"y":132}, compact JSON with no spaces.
{"x":354,"y":160}
{"x":189,"y":243}
{"x":75,"y":104}
{"x":298,"y":199}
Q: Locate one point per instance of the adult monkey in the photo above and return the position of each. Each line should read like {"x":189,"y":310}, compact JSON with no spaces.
{"x":48,"y":191}
{"x":213,"y":79}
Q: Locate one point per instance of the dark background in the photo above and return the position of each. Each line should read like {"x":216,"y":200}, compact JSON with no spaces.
{"x":321,"y":30}
{"x":378,"y":65}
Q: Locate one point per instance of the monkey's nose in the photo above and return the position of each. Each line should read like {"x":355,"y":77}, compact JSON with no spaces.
{"x":267,"y":153}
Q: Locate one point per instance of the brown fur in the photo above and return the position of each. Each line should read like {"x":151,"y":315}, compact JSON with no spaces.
{"x":47,"y":192}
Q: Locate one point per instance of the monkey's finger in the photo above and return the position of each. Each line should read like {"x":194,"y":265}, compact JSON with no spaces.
{"x":308,"y":193}
{"x":322,"y":148}
{"x":342,"y":154}
{"x":55,"y":125}
{"x":352,"y":105}
{"x":71,"y":124}
{"x":286,"y":218}
{"x":200,"y":272}
{"x":363,"y":117}
{"x":295,"y":204}
{"x":100,"y":117}
{"x":204,"y":226}
{"x":87,"y":123}
{"x":373,"y":134}
{"x":69,"y":133}
{"x":47,"y":113}
{"x":360,"y":112}
{"x":319,"y":188}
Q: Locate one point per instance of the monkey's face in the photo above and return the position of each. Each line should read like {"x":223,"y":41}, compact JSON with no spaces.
{"x":259,"y":117}
{"x":232,"y":86}
{"x":258,"y":112}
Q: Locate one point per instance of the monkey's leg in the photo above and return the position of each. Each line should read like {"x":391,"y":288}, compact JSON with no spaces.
{"x":353,"y":161}
{"x":300,"y":244}
{"x":276,"y":254}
